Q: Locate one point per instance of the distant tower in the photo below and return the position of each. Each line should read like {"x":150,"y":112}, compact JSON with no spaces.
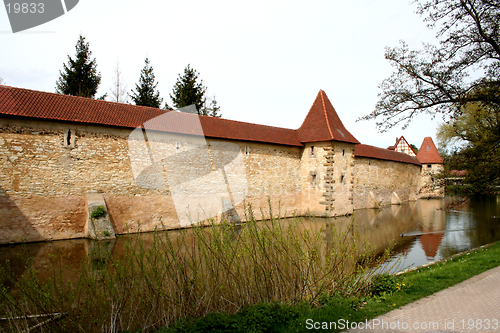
{"x":432,"y":164}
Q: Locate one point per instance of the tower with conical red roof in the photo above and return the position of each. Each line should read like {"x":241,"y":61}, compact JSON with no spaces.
{"x":327,"y":163}
{"x":432,"y":164}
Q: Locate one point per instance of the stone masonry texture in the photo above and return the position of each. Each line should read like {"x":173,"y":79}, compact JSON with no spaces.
{"x":47,"y":168}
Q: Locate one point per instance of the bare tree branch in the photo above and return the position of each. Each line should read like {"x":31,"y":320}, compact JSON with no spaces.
{"x":438,"y":77}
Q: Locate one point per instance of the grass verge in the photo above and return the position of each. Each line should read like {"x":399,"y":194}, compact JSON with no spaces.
{"x":388,"y":293}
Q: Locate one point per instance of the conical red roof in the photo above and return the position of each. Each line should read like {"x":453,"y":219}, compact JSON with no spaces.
{"x":428,"y":153}
{"x":323,"y":123}
{"x":430,"y":243}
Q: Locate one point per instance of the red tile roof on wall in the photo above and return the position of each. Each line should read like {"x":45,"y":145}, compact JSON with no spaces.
{"x":383,"y":154}
{"x":50,"y":106}
{"x":428,"y":153}
{"x":322,"y":123}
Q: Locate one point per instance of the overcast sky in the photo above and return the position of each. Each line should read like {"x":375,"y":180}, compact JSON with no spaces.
{"x":265,"y":61}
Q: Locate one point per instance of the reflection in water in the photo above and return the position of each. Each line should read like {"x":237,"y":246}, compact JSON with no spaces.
{"x":419,"y":232}
{"x":441,"y":233}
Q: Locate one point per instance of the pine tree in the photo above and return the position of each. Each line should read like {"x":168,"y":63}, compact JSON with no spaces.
{"x":79,"y":77}
{"x":146,"y":93}
{"x":187,"y":91}
{"x":212,"y":109}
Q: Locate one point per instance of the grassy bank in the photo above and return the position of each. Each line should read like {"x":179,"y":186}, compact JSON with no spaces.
{"x":266,"y":276}
{"x":386,"y":293}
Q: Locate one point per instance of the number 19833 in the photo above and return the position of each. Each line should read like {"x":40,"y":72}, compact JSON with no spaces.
{"x":25,"y":8}
{"x":479,"y":324}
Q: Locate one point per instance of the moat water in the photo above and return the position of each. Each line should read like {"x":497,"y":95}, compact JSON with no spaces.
{"x":419,"y":232}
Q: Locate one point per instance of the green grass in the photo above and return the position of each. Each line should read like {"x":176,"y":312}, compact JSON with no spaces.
{"x":388,"y":293}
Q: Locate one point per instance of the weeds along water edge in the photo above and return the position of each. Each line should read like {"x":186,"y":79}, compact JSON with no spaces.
{"x":220,"y":268}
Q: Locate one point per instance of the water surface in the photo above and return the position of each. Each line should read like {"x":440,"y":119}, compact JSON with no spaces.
{"x":420,"y":232}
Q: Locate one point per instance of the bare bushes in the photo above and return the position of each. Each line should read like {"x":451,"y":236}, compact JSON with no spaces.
{"x":222,"y":268}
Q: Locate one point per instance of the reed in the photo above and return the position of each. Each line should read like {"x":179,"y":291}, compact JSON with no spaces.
{"x":219,"y":268}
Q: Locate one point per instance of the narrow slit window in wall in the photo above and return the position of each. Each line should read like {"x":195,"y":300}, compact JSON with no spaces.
{"x":247,"y":150}
{"x":343,"y":152}
{"x":177,"y":145}
{"x":342,"y":179}
{"x":313,"y":178}
{"x":68,"y":138}
{"x":312,"y":151}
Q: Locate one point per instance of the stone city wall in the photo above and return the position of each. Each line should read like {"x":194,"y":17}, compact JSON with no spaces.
{"x":155,"y":180}
{"x":48,"y":168}
{"x":430,"y":185}
{"x":327,"y":178}
{"x":381,"y":182}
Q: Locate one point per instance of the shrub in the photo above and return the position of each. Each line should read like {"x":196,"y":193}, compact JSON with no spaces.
{"x":385,"y":283}
{"x":98,"y":212}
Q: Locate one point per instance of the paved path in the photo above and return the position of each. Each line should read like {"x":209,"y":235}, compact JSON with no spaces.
{"x":470,"y":306}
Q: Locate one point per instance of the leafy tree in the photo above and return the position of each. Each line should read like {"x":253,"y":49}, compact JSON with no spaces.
{"x":80,"y":77}
{"x":474,"y":138}
{"x":437,"y":79}
{"x":146,"y":93}
{"x":475,"y":126}
{"x":119,"y":88}
{"x":188,"y":91}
